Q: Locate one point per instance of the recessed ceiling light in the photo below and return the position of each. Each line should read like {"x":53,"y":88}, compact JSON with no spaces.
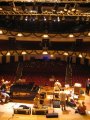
{"x":8,"y":54}
{"x":1,"y":32}
{"x":80,"y":55}
{"x":71,"y":35}
{"x":19,"y":35}
{"x":89,"y":34}
{"x":52,"y":55}
{"x":24,"y":53}
{"x":44,"y":52}
{"x":45,"y":36}
{"x":65,"y":53}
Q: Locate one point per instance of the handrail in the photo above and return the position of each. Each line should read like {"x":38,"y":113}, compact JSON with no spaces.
{"x":33,"y":13}
{"x":49,"y":1}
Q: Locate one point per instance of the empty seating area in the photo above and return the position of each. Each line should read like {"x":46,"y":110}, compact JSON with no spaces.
{"x":41,"y":71}
{"x":80,"y":73}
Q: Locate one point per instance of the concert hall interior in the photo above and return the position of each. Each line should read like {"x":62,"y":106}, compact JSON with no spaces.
{"x":45,"y":59}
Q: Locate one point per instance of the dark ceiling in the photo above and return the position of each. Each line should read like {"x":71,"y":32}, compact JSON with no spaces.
{"x":44,"y":19}
{"x":13,"y":17}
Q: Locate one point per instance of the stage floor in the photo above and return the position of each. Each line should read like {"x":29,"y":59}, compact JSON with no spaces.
{"x":6,"y":111}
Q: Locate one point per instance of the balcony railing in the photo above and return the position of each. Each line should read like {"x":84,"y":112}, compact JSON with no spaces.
{"x":49,"y":1}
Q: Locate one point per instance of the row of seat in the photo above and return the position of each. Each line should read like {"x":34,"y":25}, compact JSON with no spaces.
{"x":40,"y":72}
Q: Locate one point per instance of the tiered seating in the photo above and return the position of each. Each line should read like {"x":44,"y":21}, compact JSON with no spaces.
{"x":40,"y":72}
{"x":80,"y":74}
{"x":8,"y":68}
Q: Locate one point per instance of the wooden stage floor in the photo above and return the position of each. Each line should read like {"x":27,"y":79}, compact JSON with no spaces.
{"x":6,"y":111}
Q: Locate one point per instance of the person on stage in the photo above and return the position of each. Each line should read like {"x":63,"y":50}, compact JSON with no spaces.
{"x":88,"y":86}
{"x":81,"y":108}
{"x":4,"y":97}
{"x":57,"y":86}
{"x":3,"y":85}
{"x":63,"y":98}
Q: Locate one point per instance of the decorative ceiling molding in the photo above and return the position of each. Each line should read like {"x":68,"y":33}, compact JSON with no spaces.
{"x":38,"y":54}
{"x":38,"y":36}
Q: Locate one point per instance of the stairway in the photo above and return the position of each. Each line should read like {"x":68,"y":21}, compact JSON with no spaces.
{"x":68,"y":76}
{"x":19,"y":71}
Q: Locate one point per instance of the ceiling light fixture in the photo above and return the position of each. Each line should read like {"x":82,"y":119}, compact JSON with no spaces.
{"x":1,"y":9}
{"x":1,"y":32}
{"x":45,"y":36}
{"x":24,"y":53}
{"x":44,"y":52}
{"x":19,"y":35}
{"x":80,"y":55}
{"x":51,"y":55}
{"x":58,"y":19}
{"x":89,"y":34}
{"x":65,"y":53}
{"x":8,"y":54}
{"x":71,"y":35}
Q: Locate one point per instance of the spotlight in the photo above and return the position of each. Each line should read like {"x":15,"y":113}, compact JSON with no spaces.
{"x":45,"y":19}
{"x":14,"y":6}
{"x":74,"y":8}
{"x":67,"y":7}
{"x":58,"y":19}
{"x":26,"y":18}
{"x":55,"y":8}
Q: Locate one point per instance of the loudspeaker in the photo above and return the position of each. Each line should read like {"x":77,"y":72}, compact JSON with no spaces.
{"x":12,"y":42}
{"x":86,"y":61}
{"x":20,"y":58}
{"x":52,"y":115}
{"x":42,"y":95}
{"x":79,"y":41}
{"x":3,"y":59}
{"x":41,"y":101}
{"x":56,"y":104}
